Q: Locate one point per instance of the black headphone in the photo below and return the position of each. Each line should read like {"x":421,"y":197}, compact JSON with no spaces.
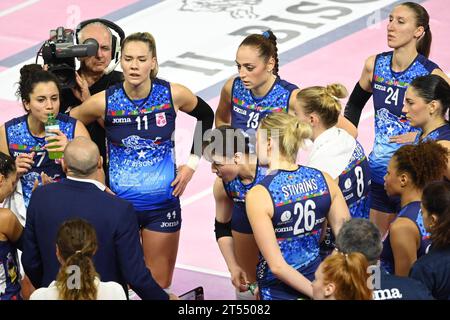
{"x":115,"y":47}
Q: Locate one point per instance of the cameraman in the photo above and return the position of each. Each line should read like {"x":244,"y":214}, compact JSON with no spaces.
{"x":91,"y":78}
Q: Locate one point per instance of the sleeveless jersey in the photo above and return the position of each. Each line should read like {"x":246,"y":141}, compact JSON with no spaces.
{"x":441,"y":133}
{"x":236,"y":190}
{"x":20,"y":140}
{"x":140,"y":147}
{"x":9,"y":272}
{"x":413,"y":212}
{"x":354,"y":183}
{"x":389,"y":89}
{"x":248,"y":110}
{"x":301,"y":201}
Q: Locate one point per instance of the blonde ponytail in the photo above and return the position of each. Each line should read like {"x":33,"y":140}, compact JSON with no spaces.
{"x":77,"y":243}
{"x":290,"y":132}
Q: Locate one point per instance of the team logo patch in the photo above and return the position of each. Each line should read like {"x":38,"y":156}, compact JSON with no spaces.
{"x":161,"y":120}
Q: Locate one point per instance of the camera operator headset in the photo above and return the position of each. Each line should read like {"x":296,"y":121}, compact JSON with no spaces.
{"x":103,"y":78}
{"x":115,"y":45}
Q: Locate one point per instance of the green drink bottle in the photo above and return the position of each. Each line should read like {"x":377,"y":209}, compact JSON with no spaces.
{"x":52,"y":124}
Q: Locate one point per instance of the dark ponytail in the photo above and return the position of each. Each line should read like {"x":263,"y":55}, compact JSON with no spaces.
{"x":433,"y":87}
{"x":266,"y":44}
{"x":422,"y":20}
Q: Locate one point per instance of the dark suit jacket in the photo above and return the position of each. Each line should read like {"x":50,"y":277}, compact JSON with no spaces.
{"x":119,"y":255}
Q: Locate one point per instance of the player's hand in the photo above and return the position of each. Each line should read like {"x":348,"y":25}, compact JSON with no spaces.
{"x":45,"y":180}
{"x":239,"y":278}
{"x":184,"y":175}
{"x":24,"y":162}
{"x":409,"y":137}
{"x":58,"y":143}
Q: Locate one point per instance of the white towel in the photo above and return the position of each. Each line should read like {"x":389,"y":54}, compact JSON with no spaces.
{"x":16,"y":204}
{"x":332,"y":151}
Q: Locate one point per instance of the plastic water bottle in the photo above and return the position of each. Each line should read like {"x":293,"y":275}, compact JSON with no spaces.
{"x":52,"y":124}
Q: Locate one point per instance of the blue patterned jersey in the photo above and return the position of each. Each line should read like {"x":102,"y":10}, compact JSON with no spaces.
{"x":441,"y":133}
{"x":354,"y":183}
{"x":248,"y":110}
{"x":413,"y":212}
{"x":301,"y":201}
{"x":237,"y":190}
{"x":20,"y":140}
{"x":140,"y":147}
{"x":9,"y":272}
{"x":389,"y":89}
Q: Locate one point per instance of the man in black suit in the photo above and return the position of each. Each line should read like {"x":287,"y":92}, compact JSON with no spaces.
{"x":119,"y":257}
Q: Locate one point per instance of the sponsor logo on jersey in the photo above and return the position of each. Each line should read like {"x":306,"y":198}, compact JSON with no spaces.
{"x":286,"y":216}
{"x":161,"y":120}
{"x":284,"y":229}
{"x":239,"y":110}
{"x":348,"y":184}
{"x":379,"y":87}
{"x":387,"y":294}
{"x":121,"y":120}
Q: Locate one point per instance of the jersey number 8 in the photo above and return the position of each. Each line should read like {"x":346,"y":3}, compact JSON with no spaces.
{"x":359,"y":181}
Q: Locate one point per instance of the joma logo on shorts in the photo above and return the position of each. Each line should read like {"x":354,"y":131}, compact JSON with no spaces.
{"x":169,"y":224}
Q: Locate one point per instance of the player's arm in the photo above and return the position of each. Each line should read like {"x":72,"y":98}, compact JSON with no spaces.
{"x":223,"y":111}
{"x":260,"y":211}
{"x":81,"y":131}
{"x":186,"y":101}
{"x":404,"y":237}
{"x":360,"y":95}
{"x":222,"y":230}
{"x":10,"y":225}
{"x":91,"y":110}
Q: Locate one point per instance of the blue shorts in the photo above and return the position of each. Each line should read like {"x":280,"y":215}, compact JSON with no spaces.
{"x":381,"y":201}
{"x":161,"y":220}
